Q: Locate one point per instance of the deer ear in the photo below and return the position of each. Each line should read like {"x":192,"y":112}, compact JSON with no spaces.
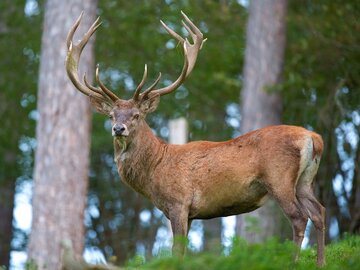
{"x":150,"y":104}
{"x":101,"y":106}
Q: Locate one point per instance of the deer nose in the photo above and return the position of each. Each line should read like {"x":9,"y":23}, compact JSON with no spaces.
{"x":119,"y":129}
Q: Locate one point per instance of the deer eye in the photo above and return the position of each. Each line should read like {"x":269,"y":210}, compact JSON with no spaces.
{"x":136,"y":116}
{"x":110,"y":117}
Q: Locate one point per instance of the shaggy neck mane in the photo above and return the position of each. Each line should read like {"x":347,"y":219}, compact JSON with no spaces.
{"x":139,"y":158}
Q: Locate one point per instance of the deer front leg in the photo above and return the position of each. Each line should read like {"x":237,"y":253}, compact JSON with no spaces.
{"x":179,"y":219}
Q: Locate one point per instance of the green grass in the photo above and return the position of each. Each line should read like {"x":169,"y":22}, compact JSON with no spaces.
{"x":342,"y":255}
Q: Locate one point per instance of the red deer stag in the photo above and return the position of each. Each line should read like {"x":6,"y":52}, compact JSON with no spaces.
{"x":202,"y":179}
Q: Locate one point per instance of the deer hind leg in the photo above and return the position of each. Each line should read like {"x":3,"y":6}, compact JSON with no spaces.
{"x":298,"y":219}
{"x":285,"y":195}
{"x":311,"y":206}
{"x":316,"y":213}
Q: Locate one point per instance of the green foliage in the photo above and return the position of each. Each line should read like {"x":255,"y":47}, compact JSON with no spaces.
{"x":321,"y":61}
{"x":344,"y":254}
{"x":252,"y":224}
{"x":136,"y":261}
{"x":320,"y":90}
{"x":271,"y":255}
{"x":19,"y":50}
{"x":31,"y":265}
{"x":19,"y":53}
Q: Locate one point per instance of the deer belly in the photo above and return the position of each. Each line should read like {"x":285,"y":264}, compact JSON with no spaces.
{"x":228,"y":200}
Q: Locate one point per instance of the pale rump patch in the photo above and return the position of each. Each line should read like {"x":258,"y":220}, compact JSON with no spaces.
{"x":308,"y":163}
{"x":306,"y":154}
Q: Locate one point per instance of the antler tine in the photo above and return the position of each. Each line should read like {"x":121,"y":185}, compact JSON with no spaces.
{"x":173,"y":33}
{"x":89,"y":33}
{"x":190,"y":52}
{"x":73,"y":30}
{"x":178,"y":82}
{"x":73,"y":58}
{"x":151,"y":87}
{"x":197,"y":38}
{"x":193,"y":30}
{"x":108,"y":92}
{"x":93,"y":88}
{"x":141,"y":84}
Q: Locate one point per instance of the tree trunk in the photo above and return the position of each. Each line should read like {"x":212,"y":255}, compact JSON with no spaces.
{"x":212,"y":234}
{"x":260,"y":104}
{"x":7,"y":191}
{"x":354,"y":200}
{"x":63,"y":141}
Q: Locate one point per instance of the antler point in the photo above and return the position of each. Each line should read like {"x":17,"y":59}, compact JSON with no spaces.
{"x":79,"y":18}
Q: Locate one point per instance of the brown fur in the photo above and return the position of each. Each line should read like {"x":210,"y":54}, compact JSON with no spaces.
{"x":203,"y":179}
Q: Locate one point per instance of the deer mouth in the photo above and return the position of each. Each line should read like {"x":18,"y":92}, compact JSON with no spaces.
{"x":121,"y":136}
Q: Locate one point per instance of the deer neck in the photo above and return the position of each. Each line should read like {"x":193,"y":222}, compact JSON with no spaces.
{"x":137,"y":158}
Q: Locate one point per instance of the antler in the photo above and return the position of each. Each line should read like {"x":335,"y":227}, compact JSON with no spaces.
{"x":74,"y":52}
{"x":190,"y":55}
{"x":72,"y":64}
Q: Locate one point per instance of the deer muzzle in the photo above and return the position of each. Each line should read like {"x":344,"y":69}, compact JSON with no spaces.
{"x":120,"y":130}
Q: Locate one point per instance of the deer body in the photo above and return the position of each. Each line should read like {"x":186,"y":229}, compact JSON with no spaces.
{"x":202,"y":180}
{"x":217,"y":179}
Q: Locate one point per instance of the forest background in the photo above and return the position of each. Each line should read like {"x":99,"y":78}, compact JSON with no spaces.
{"x":319,"y":90}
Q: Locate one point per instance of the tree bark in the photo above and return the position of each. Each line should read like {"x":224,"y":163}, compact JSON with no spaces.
{"x":212,"y":234}
{"x":260,"y":104}
{"x":63,"y":141}
{"x":354,"y":200}
{"x":7,"y":192}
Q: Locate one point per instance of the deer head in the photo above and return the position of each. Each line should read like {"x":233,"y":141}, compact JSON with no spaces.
{"x":126,"y":114}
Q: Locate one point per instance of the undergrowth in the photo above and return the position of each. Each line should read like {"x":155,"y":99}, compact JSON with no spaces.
{"x":341,"y":255}
{"x":271,"y":255}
